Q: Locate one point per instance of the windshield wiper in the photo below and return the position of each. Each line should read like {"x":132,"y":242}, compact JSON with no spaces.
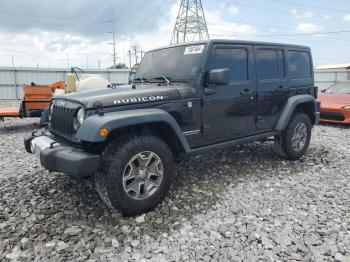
{"x":166,"y":79}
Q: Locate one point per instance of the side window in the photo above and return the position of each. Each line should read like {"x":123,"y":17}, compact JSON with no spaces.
{"x":270,"y":64}
{"x":236,"y":59}
{"x":299,"y":64}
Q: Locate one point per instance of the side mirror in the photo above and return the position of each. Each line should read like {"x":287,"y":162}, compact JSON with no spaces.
{"x":323,"y":90}
{"x":219,"y":76}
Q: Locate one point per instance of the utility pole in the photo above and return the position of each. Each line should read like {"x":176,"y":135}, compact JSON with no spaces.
{"x":99,"y":64}
{"x":14,"y":77}
{"x":67,"y":61}
{"x":129,"y":58}
{"x":190,"y":23}
{"x":113,"y":35}
{"x":135,"y":52}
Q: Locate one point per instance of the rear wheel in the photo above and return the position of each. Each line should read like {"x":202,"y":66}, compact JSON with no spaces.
{"x":294,"y":141}
{"x":135,"y":174}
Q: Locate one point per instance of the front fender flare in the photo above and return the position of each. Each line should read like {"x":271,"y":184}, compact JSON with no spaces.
{"x":289,"y":109}
{"x":89,"y":130}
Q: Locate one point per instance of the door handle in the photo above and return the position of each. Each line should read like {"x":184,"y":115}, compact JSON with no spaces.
{"x":209,"y":91}
{"x":247,"y":92}
{"x":282,"y":87}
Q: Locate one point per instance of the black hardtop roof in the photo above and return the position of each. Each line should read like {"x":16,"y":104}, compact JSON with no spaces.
{"x":237,"y":42}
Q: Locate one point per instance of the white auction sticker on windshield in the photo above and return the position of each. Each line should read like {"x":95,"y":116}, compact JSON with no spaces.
{"x":194,"y":49}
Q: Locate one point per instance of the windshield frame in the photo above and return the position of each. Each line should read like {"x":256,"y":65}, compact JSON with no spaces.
{"x":201,"y":63}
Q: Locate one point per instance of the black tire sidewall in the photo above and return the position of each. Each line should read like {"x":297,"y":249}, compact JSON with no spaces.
{"x":291,"y":153}
{"x":114,"y":169}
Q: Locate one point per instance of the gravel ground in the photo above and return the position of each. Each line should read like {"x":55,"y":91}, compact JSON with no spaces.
{"x":239,"y":204}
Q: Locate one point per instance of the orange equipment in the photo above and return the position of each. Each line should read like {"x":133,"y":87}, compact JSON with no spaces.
{"x":36,"y":99}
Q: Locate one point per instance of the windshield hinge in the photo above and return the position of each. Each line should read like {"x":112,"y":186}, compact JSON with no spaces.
{"x":98,"y":105}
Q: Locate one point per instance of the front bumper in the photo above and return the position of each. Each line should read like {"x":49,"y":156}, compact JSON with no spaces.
{"x":335,"y":115}
{"x":56,"y":157}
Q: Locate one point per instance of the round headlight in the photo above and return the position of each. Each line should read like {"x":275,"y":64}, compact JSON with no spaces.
{"x":81,"y":115}
{"x":79,"y":118}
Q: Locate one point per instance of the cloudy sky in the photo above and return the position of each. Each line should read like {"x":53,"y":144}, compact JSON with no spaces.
{"x":62,"y":33}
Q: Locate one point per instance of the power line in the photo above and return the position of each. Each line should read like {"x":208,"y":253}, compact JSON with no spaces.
{"x":148,"y":17}
{"x":125,"y":29}
{"x":311,"y":6}
{"x":62,"y":53}
{"x":303,"y":34}
{"x":267,"y":9}
{"x":124,"y":9}
{"x":45,"y":17}
{"x":58,"y":29}
{"x":36,"y":16}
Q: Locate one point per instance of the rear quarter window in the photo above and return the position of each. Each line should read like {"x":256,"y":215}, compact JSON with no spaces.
{"x":299,"y":64}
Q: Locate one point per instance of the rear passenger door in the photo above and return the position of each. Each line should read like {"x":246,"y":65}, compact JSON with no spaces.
{"x":272,"y":85}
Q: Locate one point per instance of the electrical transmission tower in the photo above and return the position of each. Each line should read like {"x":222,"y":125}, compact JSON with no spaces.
{"x":190,"y":23}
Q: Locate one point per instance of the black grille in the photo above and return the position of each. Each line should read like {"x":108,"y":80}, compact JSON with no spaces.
{"x":61,"y":123}
{"x":333,"y":116}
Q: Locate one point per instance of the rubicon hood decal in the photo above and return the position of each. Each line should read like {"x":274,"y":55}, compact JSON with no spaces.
{"x":139,"y":99}
{"x":125,"y":95}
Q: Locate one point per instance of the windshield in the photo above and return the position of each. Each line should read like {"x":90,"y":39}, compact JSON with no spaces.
{"x":339,"y":88}
{"x":174,"y":63}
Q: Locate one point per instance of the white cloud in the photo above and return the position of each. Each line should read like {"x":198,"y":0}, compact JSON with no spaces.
{"x":301,"y":15}
{"x":50,"y":48}
{"x":347,"y":17}
{"x":327,"y":17}
{"x":308,"y":28}
{"x":220,"y":28}
{"x":230,"y":7}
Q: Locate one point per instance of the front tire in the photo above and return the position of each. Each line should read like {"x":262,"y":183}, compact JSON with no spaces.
{"x":294,"y":141}
{"x":135,"y":174}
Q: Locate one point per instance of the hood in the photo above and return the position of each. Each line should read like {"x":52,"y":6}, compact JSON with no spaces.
{"x":334,"y":100}
{"x":123,"y":95}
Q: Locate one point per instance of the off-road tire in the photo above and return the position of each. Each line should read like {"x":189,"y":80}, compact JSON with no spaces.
{"x":109,"y":178}
{"x":283,"y":145}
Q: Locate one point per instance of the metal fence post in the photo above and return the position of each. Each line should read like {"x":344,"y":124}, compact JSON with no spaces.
{"x":15,"y":83}
{"x":336,"y":76}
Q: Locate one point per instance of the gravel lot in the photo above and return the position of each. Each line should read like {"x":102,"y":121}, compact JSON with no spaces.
{"x":239,"y":204}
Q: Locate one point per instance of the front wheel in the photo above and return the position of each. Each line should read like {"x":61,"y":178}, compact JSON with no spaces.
{"x":135,"y":174}
{"x":294,"y":141}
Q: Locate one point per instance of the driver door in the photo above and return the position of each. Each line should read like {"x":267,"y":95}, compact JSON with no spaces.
{"x":229,"y":111}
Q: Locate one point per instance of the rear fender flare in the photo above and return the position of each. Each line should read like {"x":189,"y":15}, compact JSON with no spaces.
{"x":290,"y":107}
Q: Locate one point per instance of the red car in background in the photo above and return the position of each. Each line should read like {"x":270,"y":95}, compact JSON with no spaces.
{"x":335,"y":103}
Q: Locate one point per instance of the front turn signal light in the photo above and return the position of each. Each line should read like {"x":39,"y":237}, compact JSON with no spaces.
{"x":104,"y":132}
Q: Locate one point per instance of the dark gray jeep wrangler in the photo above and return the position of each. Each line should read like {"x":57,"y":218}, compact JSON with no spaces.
{"x":185,"y":99}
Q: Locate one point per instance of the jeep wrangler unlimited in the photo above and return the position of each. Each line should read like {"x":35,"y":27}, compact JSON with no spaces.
{"x":185,"y":99}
